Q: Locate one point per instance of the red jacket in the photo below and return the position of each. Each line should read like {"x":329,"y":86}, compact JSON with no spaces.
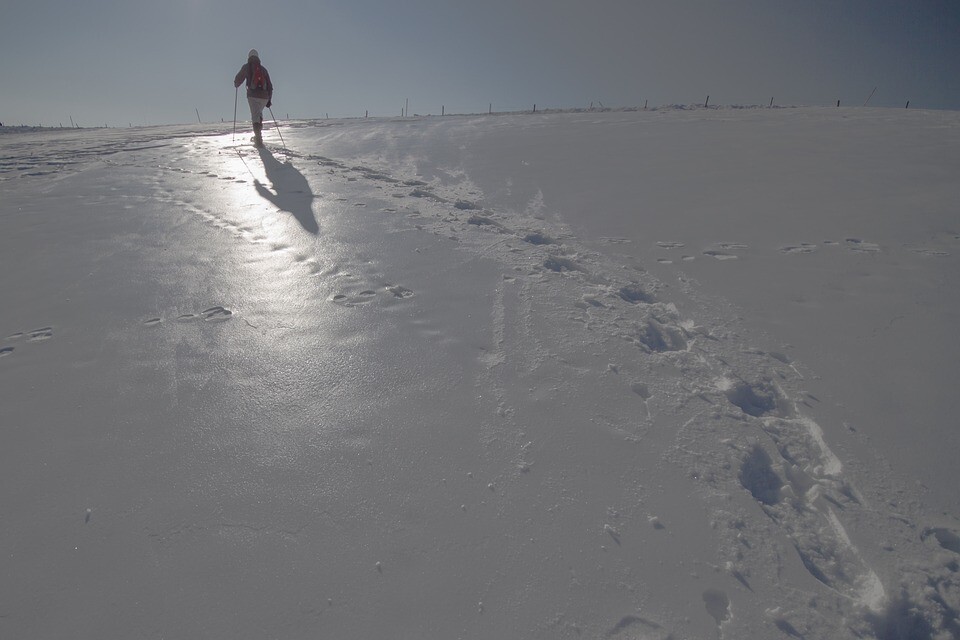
{"x":246,"y":75}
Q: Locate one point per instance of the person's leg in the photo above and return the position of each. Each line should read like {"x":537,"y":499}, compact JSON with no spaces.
{"x":257,"y":106}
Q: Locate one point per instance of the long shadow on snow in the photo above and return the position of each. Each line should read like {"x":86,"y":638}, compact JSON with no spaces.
{"x":293,"y":192}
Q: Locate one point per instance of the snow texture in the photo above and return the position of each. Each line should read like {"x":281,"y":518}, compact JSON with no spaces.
{"x":678,"y":373}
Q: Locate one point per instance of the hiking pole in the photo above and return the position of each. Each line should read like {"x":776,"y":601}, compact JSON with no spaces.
{"x":236,"y":96}
{"x":277,"y":125}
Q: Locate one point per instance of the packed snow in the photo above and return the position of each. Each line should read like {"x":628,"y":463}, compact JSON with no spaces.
{"x":667,"y":373}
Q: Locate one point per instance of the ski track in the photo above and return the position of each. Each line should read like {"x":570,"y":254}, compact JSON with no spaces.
{"x":741,"y":429}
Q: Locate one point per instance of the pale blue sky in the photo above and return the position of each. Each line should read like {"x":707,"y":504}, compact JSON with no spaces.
{"x":119,"y":62}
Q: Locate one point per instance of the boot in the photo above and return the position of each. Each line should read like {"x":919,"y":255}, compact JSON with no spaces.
{"x":257,"y":135}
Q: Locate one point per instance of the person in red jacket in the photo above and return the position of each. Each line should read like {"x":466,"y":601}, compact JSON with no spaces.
{"x":259,"y":91}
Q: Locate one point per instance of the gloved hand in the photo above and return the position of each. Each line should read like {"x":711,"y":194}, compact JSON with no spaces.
{"x":269,"y":103}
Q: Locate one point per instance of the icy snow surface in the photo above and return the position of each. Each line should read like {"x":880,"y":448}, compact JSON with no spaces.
{"x":652,"y":374}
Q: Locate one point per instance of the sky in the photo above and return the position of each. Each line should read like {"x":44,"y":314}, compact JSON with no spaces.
{"x":121,"y":63}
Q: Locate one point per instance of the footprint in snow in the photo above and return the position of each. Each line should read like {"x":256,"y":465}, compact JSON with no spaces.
{"x":635,"y":294}
{"x":924,"y":251}
{"x":803,"y":247}
{"x":537,"y":238}
{"x":211,"y":314}
{"x":466,"y":205}
{"x":353,"y":300}
{"x":39,"y":335}
{"x":559,"y":265}
{"x":861,"y":246}
{"x":483,"y":221}
{"x":720,"y":255}
{"x":797,"y":484}
{"x":369,"y":295}
{"x":216,"y":314}
{"x":946,"y":538}
{"x":632,"y":626}
{"x":717,"y":604}
{"x":398,"y":291}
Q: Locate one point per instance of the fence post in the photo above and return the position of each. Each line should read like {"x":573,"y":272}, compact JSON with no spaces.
{"x":707,"y":103}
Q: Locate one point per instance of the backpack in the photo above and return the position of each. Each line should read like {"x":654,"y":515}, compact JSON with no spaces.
{"x":257,"y":79}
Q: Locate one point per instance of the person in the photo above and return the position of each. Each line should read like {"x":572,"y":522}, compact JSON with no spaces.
{"x":259,"y":91}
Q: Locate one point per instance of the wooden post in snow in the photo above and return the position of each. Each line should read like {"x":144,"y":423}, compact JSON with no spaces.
{"x":707,"y":103}
{"x":198,"y":114}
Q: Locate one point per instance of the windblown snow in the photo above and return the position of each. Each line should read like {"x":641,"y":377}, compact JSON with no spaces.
{"x":645,"y":374}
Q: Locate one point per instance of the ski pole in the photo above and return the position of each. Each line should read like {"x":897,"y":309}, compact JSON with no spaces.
{"x":236,"y":96}
{"x":277,"y":125}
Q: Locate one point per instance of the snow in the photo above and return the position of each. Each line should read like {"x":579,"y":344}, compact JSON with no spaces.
{"x":680,"y":373}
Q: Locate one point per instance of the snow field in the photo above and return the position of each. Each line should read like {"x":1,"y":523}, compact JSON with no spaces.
{"x":385,"y":376}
